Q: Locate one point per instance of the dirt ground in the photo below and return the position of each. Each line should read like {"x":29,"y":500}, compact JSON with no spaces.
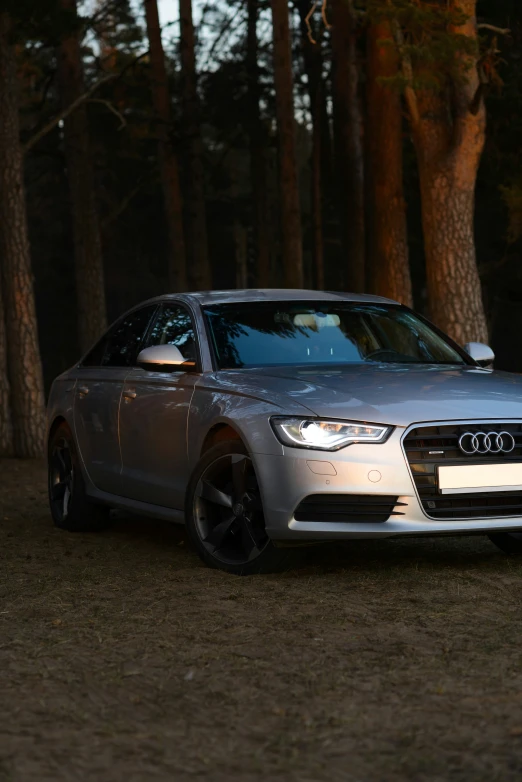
{"x":124,"y":658}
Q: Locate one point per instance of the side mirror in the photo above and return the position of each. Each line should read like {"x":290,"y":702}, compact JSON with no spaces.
{"x":163,"y":358}
{"x":481,"y":353}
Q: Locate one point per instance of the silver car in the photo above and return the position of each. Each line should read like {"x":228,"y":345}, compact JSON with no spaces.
{"x":264,"y":419}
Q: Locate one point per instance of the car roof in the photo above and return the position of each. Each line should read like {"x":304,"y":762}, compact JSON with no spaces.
{"x":278,"y":294}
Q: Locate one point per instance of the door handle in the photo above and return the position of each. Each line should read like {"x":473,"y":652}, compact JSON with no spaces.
{"x":129,"y":395}
{"x":83,"y":390}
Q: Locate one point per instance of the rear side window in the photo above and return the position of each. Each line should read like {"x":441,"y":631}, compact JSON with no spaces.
{"x":121,"y":345}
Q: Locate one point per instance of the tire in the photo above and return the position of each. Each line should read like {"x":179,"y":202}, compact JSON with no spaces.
{"x":70,"y":507}
{"x":508,"y":542}
{"x":224,"y":514}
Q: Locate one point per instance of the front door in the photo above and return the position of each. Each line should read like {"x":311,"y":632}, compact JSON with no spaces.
{"x":98,"y":390}
{"x":154,"y":414}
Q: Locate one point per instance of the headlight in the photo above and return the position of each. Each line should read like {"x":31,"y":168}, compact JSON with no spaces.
{"x":326,"y":435}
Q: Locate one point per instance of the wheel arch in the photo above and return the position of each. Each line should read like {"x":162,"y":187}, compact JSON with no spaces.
{"x":57,"y":421}
{"x":220,"y":433}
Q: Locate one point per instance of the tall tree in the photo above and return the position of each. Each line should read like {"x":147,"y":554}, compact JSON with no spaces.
{"x":196,"y":237}
{"x":313,"y":62}
{"x":448,"y":121}
{"x":23,"y":353}
{"x":348,"y":140}
{"x":257,"y":143}
{"x":389,"y":271}
{"x":288,"y":176}
{"x":6,"y":428}
{"x":88,"y":260}
{"x":168,"y":161}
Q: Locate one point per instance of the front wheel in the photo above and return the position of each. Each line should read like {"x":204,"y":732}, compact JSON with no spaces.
{"x":224,"y":513}
{"x":508,"y":542}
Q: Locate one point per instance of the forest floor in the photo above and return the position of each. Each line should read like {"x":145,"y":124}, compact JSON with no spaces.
{"x":123,"y":658}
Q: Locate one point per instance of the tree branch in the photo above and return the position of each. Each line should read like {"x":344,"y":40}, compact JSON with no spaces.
{"x":323,"y":14}
{"x":308,"y":25}
{"x":494,"y":29}
{"x":29,"y":144}
{"x":407,"y":71}
{"x":111,"y":107}
{"x":65,"y":113}
{"x":122,"y":206}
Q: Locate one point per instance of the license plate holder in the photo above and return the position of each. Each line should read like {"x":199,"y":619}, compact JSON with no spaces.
{"x":479,"y":478}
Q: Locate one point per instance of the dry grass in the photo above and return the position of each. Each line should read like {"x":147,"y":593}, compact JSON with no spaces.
{"x":123,"y":658}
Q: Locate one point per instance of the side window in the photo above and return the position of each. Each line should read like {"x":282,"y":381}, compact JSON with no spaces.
{"x":173,"y":326}
{"x":95,"y":357}
{"x":126,"y":338}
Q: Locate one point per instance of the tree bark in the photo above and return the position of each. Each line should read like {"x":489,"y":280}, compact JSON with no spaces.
{"x":6,"y":427}
{"x":257,"y":141}
{"x":288,"y":176}
{"x":90,"y":285}
{"x":23,"y":353}
{"x":313,"y":62}
{"x":348,"y":141}
{"x":449,"y":140}
{"x":389,"y":270}
{"x":196,"y":237}
{"x":168,"y":161}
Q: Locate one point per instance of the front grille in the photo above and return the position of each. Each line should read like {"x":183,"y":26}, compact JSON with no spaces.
{"x":348,"y":507}
{"x":427,"y":447}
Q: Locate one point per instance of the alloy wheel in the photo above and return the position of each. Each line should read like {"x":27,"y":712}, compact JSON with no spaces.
{"x":228,"y":511}
{"x":61,"y":478}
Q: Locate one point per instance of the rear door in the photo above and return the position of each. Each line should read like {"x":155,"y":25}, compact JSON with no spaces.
{"x":154,"y":413}
{"x":98,"y":394}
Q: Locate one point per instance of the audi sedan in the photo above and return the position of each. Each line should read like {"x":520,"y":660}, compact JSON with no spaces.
{"x":265,"y":419}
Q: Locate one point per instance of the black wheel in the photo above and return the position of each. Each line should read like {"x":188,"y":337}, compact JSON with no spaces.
{"x":508,"y":542}
{"x":224,"y":513}
{"x":70,"y":507}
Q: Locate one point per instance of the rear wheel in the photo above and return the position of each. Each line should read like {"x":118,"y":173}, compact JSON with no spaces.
{"x":508,"y":542}
{"x":224,"y":513}
{"x":70,"y":507}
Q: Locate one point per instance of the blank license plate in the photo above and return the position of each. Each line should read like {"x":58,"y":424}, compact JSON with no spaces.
{"x":460,"y":479}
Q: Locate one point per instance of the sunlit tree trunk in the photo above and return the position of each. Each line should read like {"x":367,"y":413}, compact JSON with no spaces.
{"x":168,"y":161}
{"x":88,"y":260}
{"x":257,"y":140}
{"x":199,"y":272}
{"x":389,"y":271}
{"x":314,"y":70}
{"x":449,"y":139}
{"x":23,"y":352}
{"x":348,"y":141}
{"x":288,"y":176}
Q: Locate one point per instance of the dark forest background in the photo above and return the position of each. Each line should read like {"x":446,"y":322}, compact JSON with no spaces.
{"x":223,"y":123}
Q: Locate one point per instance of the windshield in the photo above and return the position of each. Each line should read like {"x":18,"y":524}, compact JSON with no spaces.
{"x":268,"y":334}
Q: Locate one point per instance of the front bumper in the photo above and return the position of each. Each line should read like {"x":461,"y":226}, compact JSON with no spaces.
{"x":285,"y":480}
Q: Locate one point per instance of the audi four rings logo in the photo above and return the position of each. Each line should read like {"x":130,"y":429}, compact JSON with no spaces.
{"x":479,"y":442}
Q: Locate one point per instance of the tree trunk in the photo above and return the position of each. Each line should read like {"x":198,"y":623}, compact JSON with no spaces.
{"x":288,"y":177}
{"x":348,"y":139}
{"x":241,"y":252}
{"x":313,"y":61}
{"x":449,"y":141}
{"x":454,"y":290}
{"x":90,"y":286}
{"x":6,"y":427}
{"x":388,"y":234}
{"x":168,"y":161}
{"x":257,"y":139}
{"x":23,"y":353}
{"x":196,"y":237}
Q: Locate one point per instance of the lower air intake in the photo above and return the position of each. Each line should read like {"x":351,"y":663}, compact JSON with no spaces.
{"x":342,"y":508}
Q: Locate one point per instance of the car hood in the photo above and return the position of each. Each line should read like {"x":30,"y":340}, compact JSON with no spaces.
{"x":388,"y":393}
